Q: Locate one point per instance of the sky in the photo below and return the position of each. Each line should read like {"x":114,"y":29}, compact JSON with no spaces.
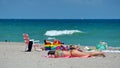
{"x":59,"y":9}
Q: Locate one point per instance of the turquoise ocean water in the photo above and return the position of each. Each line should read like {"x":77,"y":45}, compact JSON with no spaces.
{"x":70,"y":31}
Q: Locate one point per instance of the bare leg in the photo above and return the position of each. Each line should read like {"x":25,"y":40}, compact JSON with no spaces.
{"x":76,"y":53}
{"x":97,"y":54}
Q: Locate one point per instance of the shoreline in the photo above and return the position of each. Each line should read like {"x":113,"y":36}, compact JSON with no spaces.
{"x":65,"y":44}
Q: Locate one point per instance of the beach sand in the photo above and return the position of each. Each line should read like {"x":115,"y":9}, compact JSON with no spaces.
{"x":12,"y":55}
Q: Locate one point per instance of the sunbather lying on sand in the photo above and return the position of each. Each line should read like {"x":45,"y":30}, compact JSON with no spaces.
{"x":73,"y":53}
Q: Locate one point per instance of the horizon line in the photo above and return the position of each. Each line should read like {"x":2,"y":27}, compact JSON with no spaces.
{"x":51,"y":19}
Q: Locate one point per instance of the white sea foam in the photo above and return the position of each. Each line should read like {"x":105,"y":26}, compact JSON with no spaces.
{"x":50,"y":38}
{"x":61,"y":32}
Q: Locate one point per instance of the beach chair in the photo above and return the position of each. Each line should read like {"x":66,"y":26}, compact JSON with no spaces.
{"x":101,"y":46}
{"x":36,"y":43}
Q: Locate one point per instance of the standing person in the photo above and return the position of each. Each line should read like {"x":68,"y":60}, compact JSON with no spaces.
{"x":29,"y":46}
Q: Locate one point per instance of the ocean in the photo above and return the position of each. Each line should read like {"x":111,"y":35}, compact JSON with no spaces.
{"x":86,"y":32}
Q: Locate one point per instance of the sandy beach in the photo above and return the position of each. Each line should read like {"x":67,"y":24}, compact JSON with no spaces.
{"x":12,"y":55}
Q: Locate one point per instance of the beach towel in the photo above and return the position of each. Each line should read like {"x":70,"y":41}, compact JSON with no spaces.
{"x":66,"y":57}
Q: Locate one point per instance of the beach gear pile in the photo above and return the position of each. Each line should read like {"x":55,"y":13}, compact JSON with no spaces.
{"x":52,"y":45}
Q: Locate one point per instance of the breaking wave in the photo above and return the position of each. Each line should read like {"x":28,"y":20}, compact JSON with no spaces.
{"x":61,"y":32}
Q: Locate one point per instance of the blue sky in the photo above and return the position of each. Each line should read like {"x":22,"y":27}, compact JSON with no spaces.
{"x":60,"y":9}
